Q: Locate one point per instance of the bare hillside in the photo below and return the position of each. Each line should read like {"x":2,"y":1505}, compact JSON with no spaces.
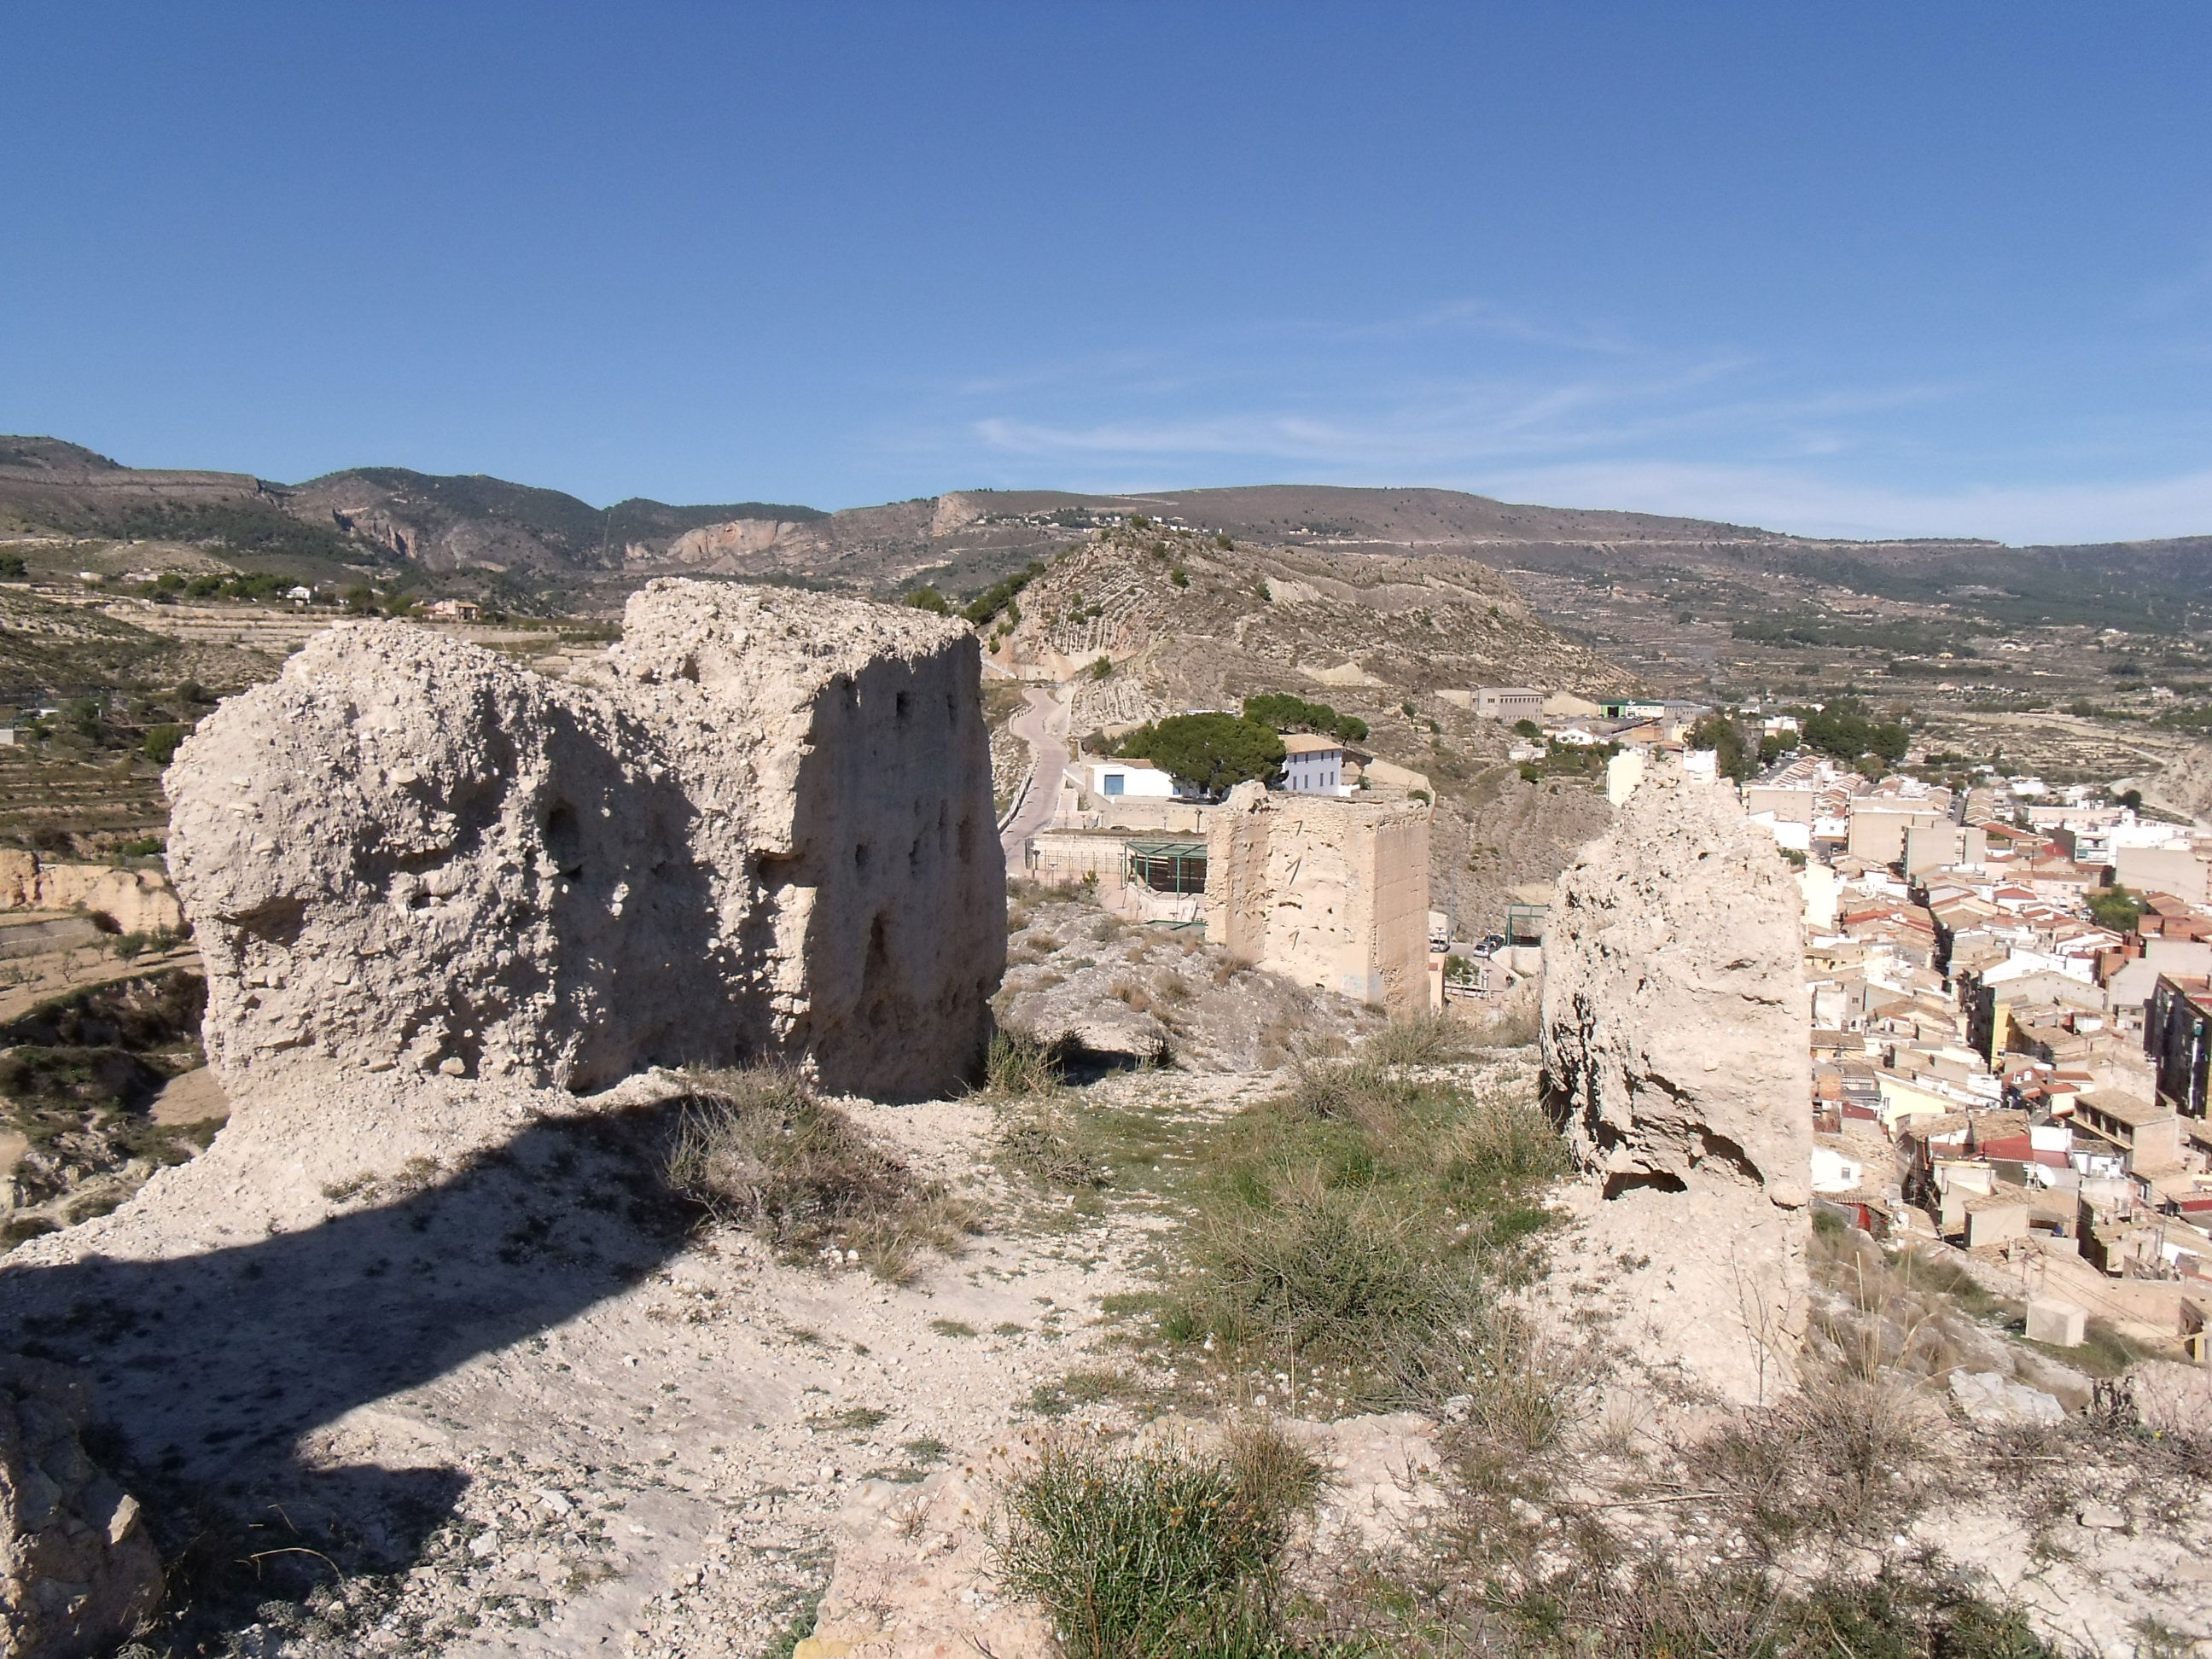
{"x":1182,"y":621}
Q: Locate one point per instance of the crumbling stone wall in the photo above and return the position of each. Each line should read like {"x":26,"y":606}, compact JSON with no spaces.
{"x":1330,"y":893}
{"x":760,"y":828}
{"x":1676,"y":1029}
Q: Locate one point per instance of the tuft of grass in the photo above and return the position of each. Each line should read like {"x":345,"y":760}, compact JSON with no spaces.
{"x":1018,"y":1067}
{"x":1846,"y":1459}
{"x":1430,"y":1039}
{"x":1362,"y":1091}
{"x":853,"y":1419}
{"x":1046,"y":1141}
{"x":758,"y":1148}
{"x":1364,"y":1225}
{"x":1080,"y":1387}
{"x":1146,"y":1554}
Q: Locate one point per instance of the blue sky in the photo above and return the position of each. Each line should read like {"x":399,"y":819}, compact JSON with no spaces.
{"x":1925,"y":269}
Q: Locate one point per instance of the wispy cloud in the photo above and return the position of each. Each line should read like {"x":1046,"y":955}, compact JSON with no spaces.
{"x":1782,"y":499}
{"x":1469,"y":394}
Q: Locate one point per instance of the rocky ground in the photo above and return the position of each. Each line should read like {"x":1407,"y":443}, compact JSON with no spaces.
{"x":513,"y":1403}
{"x":597,"y":1437}
{"x":1130,"y":994}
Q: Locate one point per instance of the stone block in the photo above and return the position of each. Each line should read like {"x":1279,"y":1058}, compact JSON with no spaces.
{"x":2062,"y":1324}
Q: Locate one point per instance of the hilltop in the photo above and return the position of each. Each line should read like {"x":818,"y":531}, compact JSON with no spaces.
{"x":1150,"y":620}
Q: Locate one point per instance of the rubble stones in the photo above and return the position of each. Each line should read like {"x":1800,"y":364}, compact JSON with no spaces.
{"x":77,"y":1570}
{"x":1992,"y":1397}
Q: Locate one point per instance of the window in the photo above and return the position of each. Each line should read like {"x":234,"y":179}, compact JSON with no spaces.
{"x":1113,"y":782}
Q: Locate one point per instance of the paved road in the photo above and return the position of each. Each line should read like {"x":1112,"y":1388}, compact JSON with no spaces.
{"x":1043,"y":726}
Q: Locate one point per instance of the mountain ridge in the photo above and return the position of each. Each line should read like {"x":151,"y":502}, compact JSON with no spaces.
{"x":479,"y":528}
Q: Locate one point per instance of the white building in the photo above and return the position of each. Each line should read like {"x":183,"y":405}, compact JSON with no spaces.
{"x":1117,"y":779}
{"x":1312,"y":765}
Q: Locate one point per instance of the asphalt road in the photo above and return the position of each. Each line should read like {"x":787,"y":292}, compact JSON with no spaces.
{"x":1043,"y":726}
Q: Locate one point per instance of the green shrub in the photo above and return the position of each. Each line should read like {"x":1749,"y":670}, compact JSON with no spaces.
{"x":1156,"y":1555}
{"x":161,"y":742}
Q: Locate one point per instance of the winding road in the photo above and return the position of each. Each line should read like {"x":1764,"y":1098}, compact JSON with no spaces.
{"x":1043,"y":726}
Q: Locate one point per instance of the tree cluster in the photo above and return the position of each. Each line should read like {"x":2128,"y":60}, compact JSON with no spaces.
{"x":1846,"y":730}
{"x":1280,"y":711}
{"x":1214,"y":751}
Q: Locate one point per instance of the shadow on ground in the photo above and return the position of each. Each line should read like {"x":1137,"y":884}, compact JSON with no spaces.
{"x":210,"y":1368}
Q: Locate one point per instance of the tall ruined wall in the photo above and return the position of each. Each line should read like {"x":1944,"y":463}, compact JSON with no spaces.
{"x":407,"y":853}
{"x":1330,"y":893}
{"x":1675,"y":1041}
{"x":1674,"y":1012}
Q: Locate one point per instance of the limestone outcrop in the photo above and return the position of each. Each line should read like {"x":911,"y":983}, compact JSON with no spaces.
{"x":77,"y":1570}
{"x":760,"y":828}
{"x":135,"y":901}
{"x":1674,"y":1035}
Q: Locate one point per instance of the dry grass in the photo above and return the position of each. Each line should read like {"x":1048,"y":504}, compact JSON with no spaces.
{"x":1043,"y":1138}
{"x":1016,"y":1066}
{"x":1363,"y":1227}
{"x":759,"y":1150}
{"x":1158,"y":1554}
{"x":1847,"y":1459}
{"x":1418,"y":1040}
{"x":1657,"y":1610}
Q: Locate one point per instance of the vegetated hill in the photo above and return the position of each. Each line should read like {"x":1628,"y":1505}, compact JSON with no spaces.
{"x":49,"y":650}
{"x":50,"y":489}
{"x":1184,"y":623}
{"x":53,"y":455}
{"x":448,"y":523}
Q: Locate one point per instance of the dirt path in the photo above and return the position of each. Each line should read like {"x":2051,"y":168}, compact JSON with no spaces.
{"x":1043,"y":726}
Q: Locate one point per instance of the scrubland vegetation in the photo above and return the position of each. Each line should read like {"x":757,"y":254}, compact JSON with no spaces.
{"x":1359,"y":1241}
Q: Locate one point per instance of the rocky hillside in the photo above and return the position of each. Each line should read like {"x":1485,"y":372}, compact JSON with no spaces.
{"x":456,"y":523}
{"x":1183,"y":622}
{"x":1208,"y":621}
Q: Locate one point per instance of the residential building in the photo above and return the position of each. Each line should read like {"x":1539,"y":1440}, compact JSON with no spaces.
{"x":1313,"y":766}
{"x":2175,"y":869}
{"x":2178,"y":1037}
{"x":1117,"y":778}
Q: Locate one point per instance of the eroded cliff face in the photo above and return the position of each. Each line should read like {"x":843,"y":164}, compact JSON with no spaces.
{"x":760,"y":828}
{"x":1674,"y":1033}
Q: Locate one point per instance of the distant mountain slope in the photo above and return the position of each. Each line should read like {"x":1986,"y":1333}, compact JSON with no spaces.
{"x":449,"y":523}
{"x":1569,"y":558}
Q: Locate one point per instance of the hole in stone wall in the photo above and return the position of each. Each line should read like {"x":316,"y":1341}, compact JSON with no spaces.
{"x":860,"y":855}
{"x":564,"y":840}
{"x":1657,"y":1181}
